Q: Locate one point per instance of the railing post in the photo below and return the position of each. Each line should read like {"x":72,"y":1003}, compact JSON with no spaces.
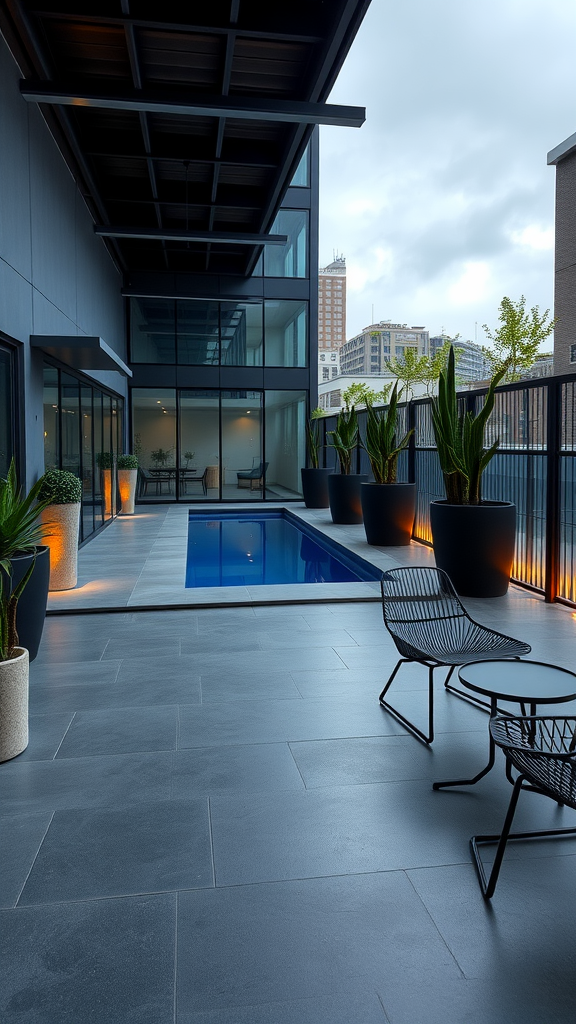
{"x":552,"y":556}
{"x":411,"y":422}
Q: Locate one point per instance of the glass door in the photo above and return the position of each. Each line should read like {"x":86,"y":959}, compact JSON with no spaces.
{"x":243,"y":470}
{"x":199,"y":449}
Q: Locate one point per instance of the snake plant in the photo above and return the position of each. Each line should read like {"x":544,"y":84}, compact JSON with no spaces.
{"x":345,"y":438}
{"x":380,"y":442}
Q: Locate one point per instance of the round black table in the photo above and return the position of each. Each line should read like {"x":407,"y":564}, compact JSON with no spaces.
{"x":527,"y":683}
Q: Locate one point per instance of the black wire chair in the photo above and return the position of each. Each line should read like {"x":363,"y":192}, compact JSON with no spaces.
{"x":543,"y":750}
{"x":430,"y":625}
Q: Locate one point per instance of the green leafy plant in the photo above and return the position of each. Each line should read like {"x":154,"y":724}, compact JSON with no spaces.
{"x":105,"y":460}
{"x":345,"y":438}
{"x":517,"y":340}
{"x":59,"y":487}
{"x":127,"y":462}
{"x":188,"y":456}
{"x":460,"y":438}
{"x":20,"y":533}
{"x":381,"y":443}
{"x":314,"y":438}
{"x":161,"y":455}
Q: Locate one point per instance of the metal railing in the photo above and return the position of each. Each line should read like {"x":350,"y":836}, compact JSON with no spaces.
{"x":534,"y":467}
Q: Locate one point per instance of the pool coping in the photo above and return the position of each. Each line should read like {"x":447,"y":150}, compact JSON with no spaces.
{"x":101,"y":587}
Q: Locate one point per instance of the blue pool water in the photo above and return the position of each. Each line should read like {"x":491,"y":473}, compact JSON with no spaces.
{"x":237,"y":549}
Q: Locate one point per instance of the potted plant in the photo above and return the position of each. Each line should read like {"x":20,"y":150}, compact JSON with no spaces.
{"x":388,"y":507}
{"x":188,"y":457}
{"x":14,"y":667}
{"x":105,"y":462}
{"x":314,"y":478}
{"x":22,"y":554}
{"x":473,"y":539}
{"x":127,"y":480}
{"x":344,"y":487}
{"x":160,"y":456}
{"x":61,"y":493}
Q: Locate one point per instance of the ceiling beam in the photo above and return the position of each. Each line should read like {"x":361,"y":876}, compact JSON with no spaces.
{"x":168,"y":101}
{"x":217,"y":237}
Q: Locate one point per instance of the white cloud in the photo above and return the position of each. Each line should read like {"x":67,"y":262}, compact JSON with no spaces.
{"x":534,"y":237}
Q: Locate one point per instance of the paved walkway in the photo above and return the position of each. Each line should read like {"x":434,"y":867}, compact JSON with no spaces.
{"x":216,"y":823}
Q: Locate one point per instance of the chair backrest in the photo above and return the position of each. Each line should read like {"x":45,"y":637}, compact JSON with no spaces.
{"x":418,"y":594}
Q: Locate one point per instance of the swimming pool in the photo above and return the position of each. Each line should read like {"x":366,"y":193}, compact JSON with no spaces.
{"x":239,"y":549}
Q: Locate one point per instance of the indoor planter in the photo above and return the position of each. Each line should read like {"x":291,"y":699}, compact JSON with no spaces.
{"x":473,"y":539}
{"x":127,"y":481}
{"x":105,"y":462}
{"x":344,"y":487}
{"x":20,"y":551}
{"x":61,"y":491}
{"x":388,"y":507}
{"x":314,"y":478}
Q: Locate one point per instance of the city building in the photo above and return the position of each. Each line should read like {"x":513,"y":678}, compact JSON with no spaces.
{"x":563,"y":157}
{"x":159,"y":241}
{"x":328,"y":366}
{"x":332,"y":305}
{"x":368,"y":352}
{"x":472,"y":363}
{"x":330,"y":391}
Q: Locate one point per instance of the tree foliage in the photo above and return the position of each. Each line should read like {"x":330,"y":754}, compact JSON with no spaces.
{"x":361,"y":394}
{"x":516,"y":341}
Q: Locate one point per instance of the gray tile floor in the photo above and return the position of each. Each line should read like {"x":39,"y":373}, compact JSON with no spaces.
{"x":216,"y":823}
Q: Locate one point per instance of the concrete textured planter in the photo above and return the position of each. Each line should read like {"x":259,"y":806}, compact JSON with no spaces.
{"x":127,"y":479}
{"x":63,"y":522}
{"x":14,"y":705}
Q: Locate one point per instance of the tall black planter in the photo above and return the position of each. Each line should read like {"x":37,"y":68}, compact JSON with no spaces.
{"x":315,"y":487}
{"x":388,"y":511}
{"x":474,"y":544}
{"x":31,"y":610}
{"x":344,"y":494}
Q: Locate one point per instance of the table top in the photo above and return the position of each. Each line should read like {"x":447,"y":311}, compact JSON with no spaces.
{"x":522,"y":681}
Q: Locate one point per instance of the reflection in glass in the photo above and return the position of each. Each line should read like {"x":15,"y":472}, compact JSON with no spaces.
{"x":288,"y":260}
{"x":154,"y":420}
{"x":302,"y":174}
{"x":98,"y":448}
{"x":242,"y":445}
{"x":285,"y":417}
{"x":197,"y":332}
{"x":70,"y":398}
{"x":51,"y":419}
{"x":87,"y":461}
{"x":152,"y":330}
{"x":286,"y":330}
{"x":241,"y":334}
{"x":6,"y":411}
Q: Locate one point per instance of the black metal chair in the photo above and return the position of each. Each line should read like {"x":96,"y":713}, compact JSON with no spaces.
{"x":190,"y":479}
{"x":430,"y":625}
{"x":543,"y":750}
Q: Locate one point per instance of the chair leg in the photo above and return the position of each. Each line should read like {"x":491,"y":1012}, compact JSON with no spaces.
{"x":425,"y":738}
{"x":488,"y":886}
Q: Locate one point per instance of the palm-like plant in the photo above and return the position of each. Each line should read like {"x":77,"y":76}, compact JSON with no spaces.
{"x":314,"y":439}
{"x":460,"y":438}
{"x":345,"y":438}
{"x":20,"y":533}
{"x":380,"y":442}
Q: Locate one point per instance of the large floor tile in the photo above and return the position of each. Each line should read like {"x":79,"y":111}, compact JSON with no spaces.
{"x":301,"y":940}
{"x":359,"y":1003}
{"x":260,"y":768}
{"x":45,"y":734}
{"x":106,"y":962}
{"x":20,"y":839}
{"x":91,"y":854}
{"x":120,"y":731}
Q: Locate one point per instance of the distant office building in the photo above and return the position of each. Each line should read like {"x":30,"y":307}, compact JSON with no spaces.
{"x":471,"y":364}
{"x":564,"y":158}
{"x":332,"y":305}
{"x":330,"y":391}
{"x":369,"y":350}
{"x":328,"y":366}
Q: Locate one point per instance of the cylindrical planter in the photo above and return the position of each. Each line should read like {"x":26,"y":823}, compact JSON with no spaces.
{"x":31,"y":609}
{"x":344,"y":495}
{"x":315,"y":487}
{"x":474,"y":544}
{"x":127,"y":479}
{"x":388,"y":511}
{"x":62,"y":522}
{"x":14,"y":705}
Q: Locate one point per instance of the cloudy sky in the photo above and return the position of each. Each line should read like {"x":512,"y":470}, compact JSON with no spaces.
{"x":443,"y":202}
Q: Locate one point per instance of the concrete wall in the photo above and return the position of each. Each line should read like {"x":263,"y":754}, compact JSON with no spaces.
{"x":56,"y":276}
{"x":565,"y":265}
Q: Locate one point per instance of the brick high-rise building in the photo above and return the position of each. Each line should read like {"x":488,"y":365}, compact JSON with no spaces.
{"x":564,"y":158}
{"x":332,"y":305}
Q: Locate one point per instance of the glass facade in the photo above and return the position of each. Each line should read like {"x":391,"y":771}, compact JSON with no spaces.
{"x":190,"y":333}
{"x":83,"y":434}
{"x":208,"y":444}
{"x":291,"y":259}
{"x":7,"y":411}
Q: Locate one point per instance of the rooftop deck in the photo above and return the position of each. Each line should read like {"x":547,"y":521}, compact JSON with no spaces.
{"x":216,"y":823}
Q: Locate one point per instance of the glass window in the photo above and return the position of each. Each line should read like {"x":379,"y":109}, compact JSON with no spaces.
{"x":285,"y":442}
{"x":302,"y":175}
{"x":51,"y":419}
{"x":241,"y":334}
{"x":199,"y":475}
{"x":70,"y":398}
{"x":243,"y":470}
{"x":7,"y":414}
{"x":197,"y":332}
{"x":573,"y":353}
{"x":286,"y":332}
{"x":88,"y":492}
{"x":152,"y":330}
{"x":154,"y":421}
{"x":288,"y":260}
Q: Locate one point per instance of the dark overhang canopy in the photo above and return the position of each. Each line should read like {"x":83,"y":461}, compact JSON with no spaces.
{"x":183,"y":123}
{"x":81,"y":351}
